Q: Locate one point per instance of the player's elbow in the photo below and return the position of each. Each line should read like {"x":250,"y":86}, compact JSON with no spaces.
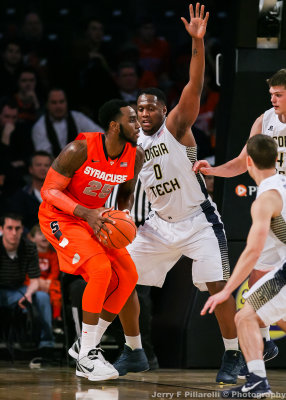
{"x":48,"y":194}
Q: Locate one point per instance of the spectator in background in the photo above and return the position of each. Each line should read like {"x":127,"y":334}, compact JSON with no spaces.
{"x":154,"y":56}
{"x":12,"y":164}
{"x":18,"y":257}
{"x":27,"y":98}
{"x":92,"y":68}
{"x":49,"y":280}
{"x":10,"y":65}
{"x":26,"y":201}
{"x":127,"y":81}
{"x":41,"y":51}
{"x":59,"y":126}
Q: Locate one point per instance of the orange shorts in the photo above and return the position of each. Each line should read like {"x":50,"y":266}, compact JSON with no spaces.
{"x":73,"y":239}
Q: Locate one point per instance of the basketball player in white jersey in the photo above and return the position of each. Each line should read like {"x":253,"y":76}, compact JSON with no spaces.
{"x":266,"y":300}
{"x":273,"y":124}
{"x":183,"y":220}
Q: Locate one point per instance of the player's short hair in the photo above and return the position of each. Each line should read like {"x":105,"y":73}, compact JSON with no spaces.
{"x":110,"y":111}
{"x":278,"y":79}
{"x":154,"y":92}
{"x":263,"y":151}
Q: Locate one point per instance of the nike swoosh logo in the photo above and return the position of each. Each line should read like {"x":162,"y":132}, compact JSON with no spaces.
{"x":94,"y":160}
{"x":247,"y":389}
{"x":88,"y":369}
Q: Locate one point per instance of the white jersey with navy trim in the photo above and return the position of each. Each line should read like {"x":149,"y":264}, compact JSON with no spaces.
{"x":278,"y":224}
{"x":268,"y":295}
{"x":183,"y":221}
{"x":272,"y":126}
{"x":173,"y":189}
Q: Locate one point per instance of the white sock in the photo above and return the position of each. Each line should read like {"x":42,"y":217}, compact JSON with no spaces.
{"x":257,"y":367}
{"x":87,"y":339}
{"x":134,"y":342}
{"x":265,"y":333}
{"x":101,"y":327}
{"x":230,"y":344}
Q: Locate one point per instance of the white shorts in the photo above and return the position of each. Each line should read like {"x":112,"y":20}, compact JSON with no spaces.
{"x":160,"y":244}
{"x":268,"y":296}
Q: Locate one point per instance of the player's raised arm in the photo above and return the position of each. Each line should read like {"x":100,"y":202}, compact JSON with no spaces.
{"x":185,"y":113}
{"x":125,"y":197}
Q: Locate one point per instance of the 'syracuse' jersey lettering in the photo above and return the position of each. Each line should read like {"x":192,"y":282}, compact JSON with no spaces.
{"x":96,"y":173}
{"x":272,"y":126}
{"x":89,"y":186}
{"x":172,"y":188}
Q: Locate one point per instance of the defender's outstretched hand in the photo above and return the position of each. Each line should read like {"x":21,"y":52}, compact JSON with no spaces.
{"x":214,"y":300}
{"x":197,"y":26}
{"x":203,"y":166}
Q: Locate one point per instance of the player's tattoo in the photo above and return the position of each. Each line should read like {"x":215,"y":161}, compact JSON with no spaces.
{"x":195,"y":52}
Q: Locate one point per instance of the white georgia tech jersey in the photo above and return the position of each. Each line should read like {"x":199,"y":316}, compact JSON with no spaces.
{"x":277,"y":232}
{"x":173,"y":189}
{"x":272,"y":126}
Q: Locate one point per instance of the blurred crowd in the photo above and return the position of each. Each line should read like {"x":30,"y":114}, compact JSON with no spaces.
{"x":59,"y":65}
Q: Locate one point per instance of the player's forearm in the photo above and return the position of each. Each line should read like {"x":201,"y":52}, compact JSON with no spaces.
{"x":197,"y":65}
{"x":125,"y":202}
{"x":231,"y":168}
{"x":52,"y":192}
{"x":59,"y":200}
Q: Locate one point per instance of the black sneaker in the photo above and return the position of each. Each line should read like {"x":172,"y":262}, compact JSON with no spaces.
{"x":254,"y":388}
{"x":270,"y":351}
{"x":131,"y":361}
{"x":231,"y":364}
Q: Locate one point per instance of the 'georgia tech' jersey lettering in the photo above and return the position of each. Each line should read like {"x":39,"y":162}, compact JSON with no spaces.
{"x":172,"y":188}
{"x":272,"y":126}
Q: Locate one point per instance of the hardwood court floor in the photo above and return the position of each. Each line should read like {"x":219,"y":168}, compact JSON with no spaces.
{"x":54,"y":383}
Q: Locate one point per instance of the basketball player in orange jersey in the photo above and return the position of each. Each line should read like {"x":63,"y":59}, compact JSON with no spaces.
{"x":71,"y":217}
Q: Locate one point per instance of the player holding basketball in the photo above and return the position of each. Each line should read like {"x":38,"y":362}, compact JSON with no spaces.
{"x":183,"y":220}
{"x":266,"y":300}
{"x":75,"y":190}
{"x":273,"y":124}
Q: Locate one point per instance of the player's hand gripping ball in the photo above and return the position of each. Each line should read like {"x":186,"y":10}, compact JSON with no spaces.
{"x":123,"y":232}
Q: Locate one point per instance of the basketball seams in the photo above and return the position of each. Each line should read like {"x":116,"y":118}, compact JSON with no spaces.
{"x":111,"y":241}
{"x":122,"y":233}
{"x":127,"y":234}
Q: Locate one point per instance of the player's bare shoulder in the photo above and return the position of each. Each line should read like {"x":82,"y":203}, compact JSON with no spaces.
{"x":71,"y":158}
{"x":269,"y":204}
{"x":257,"y":126}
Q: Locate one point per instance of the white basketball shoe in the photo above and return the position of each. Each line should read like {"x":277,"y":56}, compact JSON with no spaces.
{"x":94,"y":367}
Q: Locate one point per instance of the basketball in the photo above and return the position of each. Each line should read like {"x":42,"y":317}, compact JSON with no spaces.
{"x":123,"y":232}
